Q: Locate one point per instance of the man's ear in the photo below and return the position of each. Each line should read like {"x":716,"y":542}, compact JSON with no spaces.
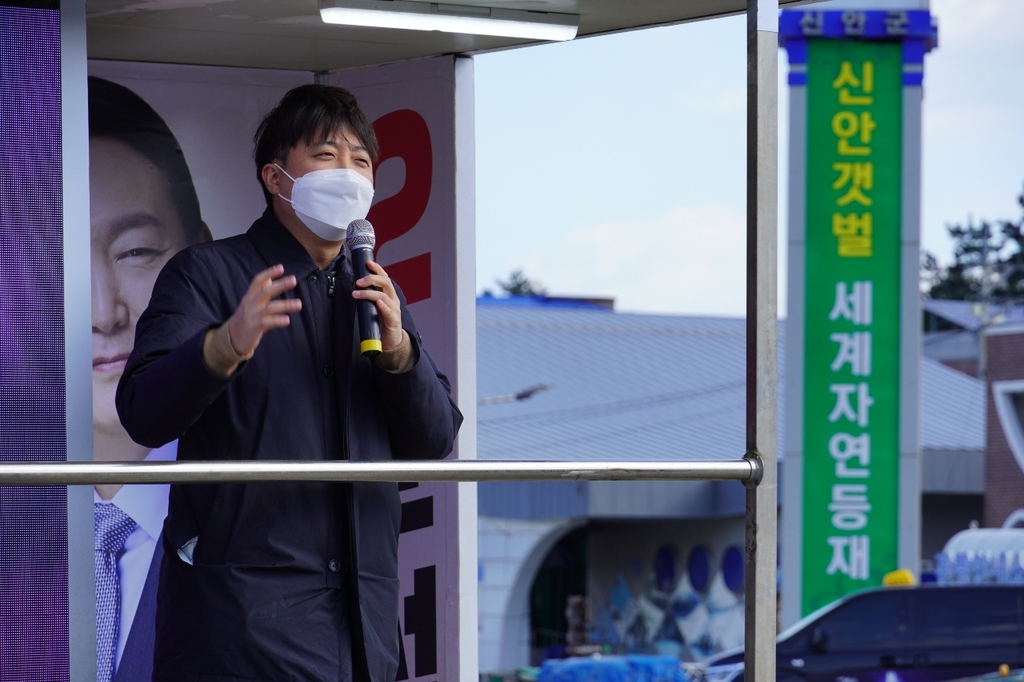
{"x":272,"y":177}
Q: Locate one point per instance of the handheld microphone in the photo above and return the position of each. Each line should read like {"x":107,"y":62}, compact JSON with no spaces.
{"x":359,"y":242}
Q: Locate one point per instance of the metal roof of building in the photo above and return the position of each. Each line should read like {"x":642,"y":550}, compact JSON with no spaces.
{"x":656,"y":387}
{"x":971,"y":315}
{"x":952,"y":409}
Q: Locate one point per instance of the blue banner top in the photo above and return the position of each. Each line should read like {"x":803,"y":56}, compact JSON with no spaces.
{"x":914,"y":28}
{"x":857,"y":25}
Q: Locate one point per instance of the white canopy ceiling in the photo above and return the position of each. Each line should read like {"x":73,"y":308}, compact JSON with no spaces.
{"x":288,"y":34}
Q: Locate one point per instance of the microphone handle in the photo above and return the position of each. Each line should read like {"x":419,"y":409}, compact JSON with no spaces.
{"x":369,"y":324}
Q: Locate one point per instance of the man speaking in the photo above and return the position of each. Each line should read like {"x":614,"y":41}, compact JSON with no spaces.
{"x":250,"y":350}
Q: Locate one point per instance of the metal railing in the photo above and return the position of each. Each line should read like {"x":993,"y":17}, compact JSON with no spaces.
{"x":99,"y":473}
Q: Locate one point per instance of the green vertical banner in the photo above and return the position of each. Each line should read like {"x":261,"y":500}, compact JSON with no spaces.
{"x":851,"y":506}
{"x":852,"y":317}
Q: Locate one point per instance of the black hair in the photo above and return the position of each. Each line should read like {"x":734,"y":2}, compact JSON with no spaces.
{"x":305,"y":113}
{"x":117,"y":113}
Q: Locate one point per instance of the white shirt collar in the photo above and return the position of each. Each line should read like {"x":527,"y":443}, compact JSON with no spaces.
{"x":146,"y":504}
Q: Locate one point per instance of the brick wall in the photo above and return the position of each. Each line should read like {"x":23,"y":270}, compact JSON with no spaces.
{"x":1004,"y":480}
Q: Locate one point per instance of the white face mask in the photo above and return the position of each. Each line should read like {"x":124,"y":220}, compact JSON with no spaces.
{"x":326,"y":201}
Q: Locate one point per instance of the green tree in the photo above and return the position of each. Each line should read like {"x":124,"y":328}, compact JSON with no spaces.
{"x":519,"y":284}
{"x":988,"y":262}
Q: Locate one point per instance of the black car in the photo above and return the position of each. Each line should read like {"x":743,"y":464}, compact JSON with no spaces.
{"x":904,"y":634}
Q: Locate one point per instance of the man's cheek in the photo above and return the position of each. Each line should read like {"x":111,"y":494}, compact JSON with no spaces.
{"x":139,"y":290}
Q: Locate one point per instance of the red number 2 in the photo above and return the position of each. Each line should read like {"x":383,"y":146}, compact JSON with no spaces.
{"x":404,"y":134}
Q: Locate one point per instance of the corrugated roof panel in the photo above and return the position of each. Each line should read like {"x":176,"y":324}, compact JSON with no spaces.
{"x":658,"y":387}
{"x":968,"y":314}
{"x":952,"y":409}
{"x":622,"y":386}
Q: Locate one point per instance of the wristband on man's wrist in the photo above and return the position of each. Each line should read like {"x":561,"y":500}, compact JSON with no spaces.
{"x":219,"y":352}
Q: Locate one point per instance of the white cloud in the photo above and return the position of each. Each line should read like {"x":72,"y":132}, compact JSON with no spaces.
{"x":690,"y":260}
{"x":978,"y":23}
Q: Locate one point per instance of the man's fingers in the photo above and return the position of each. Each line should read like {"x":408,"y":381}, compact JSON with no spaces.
{"x":273,"y":314}
{"x":263,"y":288}
{"x":274,"y":288}
{"x":283,"y":306}
{"x":264,"y":277}
{"x":378,"y":278}
{"x":261,"y":309}
{"x":276,"y":321}
{"x":271,"y":277}
{"x":378,"y":288}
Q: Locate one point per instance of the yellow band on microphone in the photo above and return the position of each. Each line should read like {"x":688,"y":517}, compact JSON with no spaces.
{"x":370,"y":346}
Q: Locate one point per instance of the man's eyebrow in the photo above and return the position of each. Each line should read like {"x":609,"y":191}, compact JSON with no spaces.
{"x":135,"y":220}
{"x":338,"y":142}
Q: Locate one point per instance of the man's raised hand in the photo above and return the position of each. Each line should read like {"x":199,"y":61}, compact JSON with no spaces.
{"x":261,"y":310}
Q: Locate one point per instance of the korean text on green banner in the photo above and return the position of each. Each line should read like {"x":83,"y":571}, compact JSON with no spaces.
{"x":852,"y":318}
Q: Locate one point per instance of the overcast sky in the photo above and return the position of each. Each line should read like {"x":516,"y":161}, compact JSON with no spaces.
{"x":614,"y":166}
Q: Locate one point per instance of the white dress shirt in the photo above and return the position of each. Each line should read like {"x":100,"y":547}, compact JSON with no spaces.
{"x":147,"y":505}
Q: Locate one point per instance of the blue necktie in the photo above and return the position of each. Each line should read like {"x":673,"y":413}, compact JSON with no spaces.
{"x":112,"y":528}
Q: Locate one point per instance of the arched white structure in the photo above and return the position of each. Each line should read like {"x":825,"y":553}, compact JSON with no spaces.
{"x":511,"y":553}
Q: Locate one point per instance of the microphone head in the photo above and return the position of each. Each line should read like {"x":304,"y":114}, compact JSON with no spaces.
{"x":360,"y":235}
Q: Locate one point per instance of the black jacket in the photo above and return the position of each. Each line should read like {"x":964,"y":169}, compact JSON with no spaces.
{"x":267,"y":595}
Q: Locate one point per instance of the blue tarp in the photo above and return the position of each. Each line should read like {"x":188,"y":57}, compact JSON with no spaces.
{"x":614,"y":669}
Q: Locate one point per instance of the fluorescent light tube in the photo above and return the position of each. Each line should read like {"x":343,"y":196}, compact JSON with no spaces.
{"x":432,"y":16}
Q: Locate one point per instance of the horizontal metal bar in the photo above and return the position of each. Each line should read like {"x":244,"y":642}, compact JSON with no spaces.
{"x":94,"y":473}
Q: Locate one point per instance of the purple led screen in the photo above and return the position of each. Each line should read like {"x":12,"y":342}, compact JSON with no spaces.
{"x":33,"y":526}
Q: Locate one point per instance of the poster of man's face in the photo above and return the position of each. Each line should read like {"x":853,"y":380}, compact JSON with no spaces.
{"x":143,"y":210}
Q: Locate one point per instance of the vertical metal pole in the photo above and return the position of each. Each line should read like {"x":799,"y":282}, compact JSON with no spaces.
{"x":465,"y":292}
{"x":909,"y":548}
{"x":77,"y":331}
{"x":791,"y":540}
{"x":762,"y":335}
